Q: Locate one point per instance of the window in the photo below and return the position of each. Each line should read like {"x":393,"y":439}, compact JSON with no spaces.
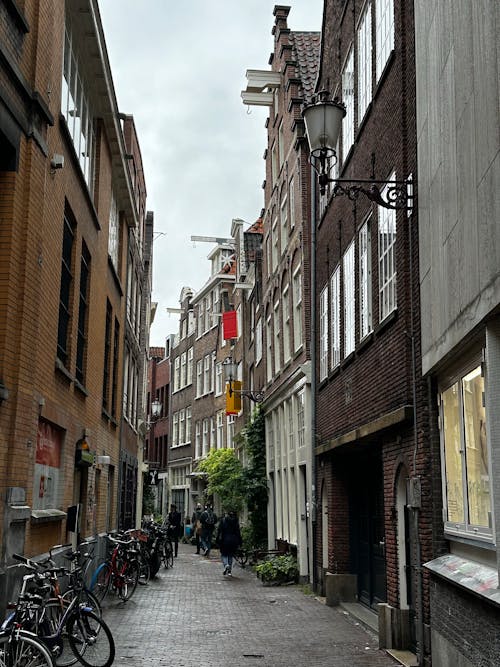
{"x":286,"y":324}
{"x":114,"y":232}
{"x":466,"y":482}
{"x":269,"y":350}
{"x":349,"y":301}
{"x":365,"y":277}
{"x":284,"y":225}
{"x":81,"y":343}
{"x":230,"y":431}
{"x":274,"y":163}
{"x":335,"y":310}
{"x":199,"y":378}
{"x":386,"y":260}
{"x":277,"y":338}
{"x":201,"y":318}
{"x":301,"y":422}
{"x":291,"y":196}
{"x":177,"y":374}
{"x":258,"y":341}
{"x":189,"y":372}
{"x":281,"y":145}
{"x":197,"y":440}
{"x":175,"y":429}
{"x":76,"y":110}
{"x":219,"y":385}
{"x":348,"y":100}
{"x":107,"y":356}
{"x":275,"y":250}
{"x":384,"y":33}
{"x":323,"y":333}
{"x":208,"y":312}
{"x":65,"y":291}
{"x":183,"y":373}
{"x":291,"y":425}
{"x":206,"y":374}
{"x":220,"y":429}
{"x":188,"y":425}
{"x":182,"y":427}
{"x":116,"y":359}
{"x":364,"y":62}
{"x":47,"y":483}
{"x":297,"y":309}
{"x":206,"y":436}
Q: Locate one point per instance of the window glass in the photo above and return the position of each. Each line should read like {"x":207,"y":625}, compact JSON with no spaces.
{"x":348,"y":100}
{"x":364,"y":62}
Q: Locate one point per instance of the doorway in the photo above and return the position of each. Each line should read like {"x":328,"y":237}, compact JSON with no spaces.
{"x":367,"y":519}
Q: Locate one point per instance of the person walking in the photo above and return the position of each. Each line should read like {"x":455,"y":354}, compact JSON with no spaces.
{"x":174,"y":527}
{"x":196,"y":523}
{"x":229,"y":540}
{"x":208,"y":521}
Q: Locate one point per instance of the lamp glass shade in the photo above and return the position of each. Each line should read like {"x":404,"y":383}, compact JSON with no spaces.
{"x":156,"y":408}
{"x":323,"y":121}
{"x":230,"y":369}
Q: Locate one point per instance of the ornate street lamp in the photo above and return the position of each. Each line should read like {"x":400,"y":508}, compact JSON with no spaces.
{"x":323,"y":121}
{"x":155,"y":410}
{"x":230,"y":373}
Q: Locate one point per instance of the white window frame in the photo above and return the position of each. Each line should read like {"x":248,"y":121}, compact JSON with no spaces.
{"x":219,"y":383}
{"x":189,"y":371}
{"x":335,"y":316}
{"x":323,"y":334}
{"x":199,"y":378}
{"x":183,"y":372}
{"x":206,"y":373}
{"x":258,"y":341}
{"x":364,"y":61}
{"x":284,"y":224}
{"x":348,"y":100}
{"x":206,"y":437}
{"x":220,"y":429}
{"x":387,"y":273}
{"x":384,"y":33}
{"x":188,"y":425}
{"x":198,"y":440}
{"x":275,"y":246}
{"x":175,"y":429}
{"x":297,"y":309}
{"x":269,"y":349}
{"x":285,"y":307}
{"x":291,"y":199}
{"x":277,"y":337}
{"x":365,"y":279}
{"x":349,"y":300}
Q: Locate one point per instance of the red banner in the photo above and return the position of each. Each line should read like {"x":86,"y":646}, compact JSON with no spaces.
{"x":230,"y":324}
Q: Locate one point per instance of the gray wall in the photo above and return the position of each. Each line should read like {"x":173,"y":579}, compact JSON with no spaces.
{"x":457,"y":56}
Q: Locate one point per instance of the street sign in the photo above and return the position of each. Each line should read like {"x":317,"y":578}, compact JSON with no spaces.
{"x":153,"y":477}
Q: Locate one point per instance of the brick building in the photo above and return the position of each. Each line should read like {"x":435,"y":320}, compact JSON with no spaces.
{"x":459,"y":212}
{"x":68,"y":203}
{"x":377,"y":515}
{"x":282,"y":318}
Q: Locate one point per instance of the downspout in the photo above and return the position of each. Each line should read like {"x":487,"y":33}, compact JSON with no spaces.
{"x":415,"y":506}
{"x":312,"y":260}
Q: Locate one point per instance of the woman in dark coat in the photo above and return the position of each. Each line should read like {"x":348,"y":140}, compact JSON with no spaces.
{"x":229,"y":540}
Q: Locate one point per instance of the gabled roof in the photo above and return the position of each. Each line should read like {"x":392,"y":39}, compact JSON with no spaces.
{"x":306,"y":46}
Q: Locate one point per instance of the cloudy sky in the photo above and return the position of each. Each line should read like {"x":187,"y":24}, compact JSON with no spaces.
{"x":179,"y":67}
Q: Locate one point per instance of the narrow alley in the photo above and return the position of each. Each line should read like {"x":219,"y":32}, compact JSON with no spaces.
{"x":191,"y":615}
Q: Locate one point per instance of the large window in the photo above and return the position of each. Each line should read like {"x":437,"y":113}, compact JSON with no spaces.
{"x":323,"y":333}
{"x":386,"y":260}
{"x":81,"y":343}
{"x":348,"y":100}
{"x":114,"y":232}
{"x":284,"y":224}
{"x":297,"y":309}
{"x":349,"y":300}
{"x":286,"y":325}
{"x":384,"y":32}
{"x":364,"y":62}
{"x":365,"y":277}
{"x":65,"y":291}
{"x":76,"y":109}
{"x":277,"y":338}
{"x":466,"y":458}
{"x":335,"y":315}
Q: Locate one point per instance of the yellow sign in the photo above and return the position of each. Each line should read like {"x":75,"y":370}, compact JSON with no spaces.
{"x":233,"y":398}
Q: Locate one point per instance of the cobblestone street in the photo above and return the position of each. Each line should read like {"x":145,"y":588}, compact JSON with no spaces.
{"x":192,"y":615}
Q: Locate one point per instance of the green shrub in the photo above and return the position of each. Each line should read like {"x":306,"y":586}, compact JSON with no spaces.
{"x":278,"y":569}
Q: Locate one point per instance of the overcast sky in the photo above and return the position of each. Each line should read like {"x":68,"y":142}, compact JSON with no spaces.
{"x":179,"y":67}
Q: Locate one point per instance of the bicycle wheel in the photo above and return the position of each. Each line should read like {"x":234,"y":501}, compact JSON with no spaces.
{"x":168,"y":555}
{"x":87,"y":598}
{"x":129,"y":579}
{"x":56,"y":639}
{"x":22,"y":649}
{"x":144,"y":572}
{"x":91,"y":640}
{"x":102,"y":581}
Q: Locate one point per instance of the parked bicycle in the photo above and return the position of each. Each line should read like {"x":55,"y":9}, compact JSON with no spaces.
{"x":69,"y":629}
{"x":120,"y":573}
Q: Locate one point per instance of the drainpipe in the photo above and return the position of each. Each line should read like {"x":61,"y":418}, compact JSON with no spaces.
{"x":312,"y":260}
{"x":416,"y":503}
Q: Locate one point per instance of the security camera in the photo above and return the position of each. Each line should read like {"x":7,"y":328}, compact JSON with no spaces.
{"x":57,"y":161}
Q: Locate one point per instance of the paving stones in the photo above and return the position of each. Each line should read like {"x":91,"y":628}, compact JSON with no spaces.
{"x":193,"y":616}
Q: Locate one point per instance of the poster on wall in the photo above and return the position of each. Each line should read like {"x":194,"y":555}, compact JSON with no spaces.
{"x":47,"y":466}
